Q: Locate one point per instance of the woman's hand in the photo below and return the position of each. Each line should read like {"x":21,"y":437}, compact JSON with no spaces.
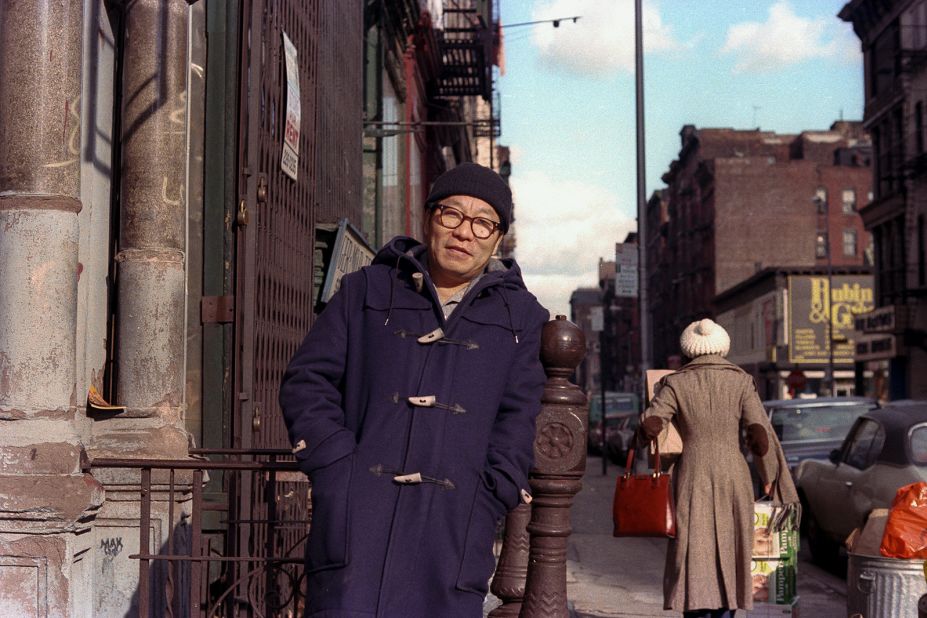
{"x":651,"y":428}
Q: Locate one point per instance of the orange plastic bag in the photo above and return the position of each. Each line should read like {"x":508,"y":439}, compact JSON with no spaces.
{"x":906,"y":530}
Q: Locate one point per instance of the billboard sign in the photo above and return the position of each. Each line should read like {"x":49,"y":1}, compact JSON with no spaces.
{"x":812,"y":299}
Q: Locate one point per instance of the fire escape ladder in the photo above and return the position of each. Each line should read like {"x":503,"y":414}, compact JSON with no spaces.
{"x":466,"y":54}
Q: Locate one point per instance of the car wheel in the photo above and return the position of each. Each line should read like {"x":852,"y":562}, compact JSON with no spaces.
{"x":824,"y":551}
{"x":614,"y":454}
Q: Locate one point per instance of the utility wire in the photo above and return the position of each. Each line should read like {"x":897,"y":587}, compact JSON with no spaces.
{"x":555,"y":22}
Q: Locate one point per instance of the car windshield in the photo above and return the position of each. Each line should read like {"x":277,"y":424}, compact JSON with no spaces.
{"x":919,"y":446}
{"x":815,"y":422}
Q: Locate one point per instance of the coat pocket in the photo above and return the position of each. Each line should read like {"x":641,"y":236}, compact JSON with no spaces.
{"x":329,"y":530}
{"x":478,"y":562}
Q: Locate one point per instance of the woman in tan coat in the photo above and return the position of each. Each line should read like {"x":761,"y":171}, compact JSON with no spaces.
{"x":710,"y":399}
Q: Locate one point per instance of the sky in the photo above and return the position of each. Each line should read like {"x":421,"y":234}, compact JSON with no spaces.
{"x":568,"y":113}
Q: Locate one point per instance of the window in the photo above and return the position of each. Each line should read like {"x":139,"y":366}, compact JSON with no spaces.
{"x":883,"y":59}
{"x":849,"y":201}
{"x":918,"y":17}
{"x":921,"y":264}
{"x":820,"y":245}
{"x":820,"y":198}
{"x":865,"y":445}
{"x":816,"y":422}
{"x":849,"y":242}
{"x":919,"y":445}
{"x":919,"y":125}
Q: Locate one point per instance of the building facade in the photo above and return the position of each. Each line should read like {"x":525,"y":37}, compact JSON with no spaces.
{"x":176,"y":183}
{"x":893,"y":36}
{"x":780,"y":321}
{"x":609,"y":316}
{"x":586,"y":313}
{"x":738,"y":202}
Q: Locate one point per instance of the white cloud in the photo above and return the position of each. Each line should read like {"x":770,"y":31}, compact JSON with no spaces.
{"x":602,"y":42}
{"x":786,"y":38}
{"x":563,"y":228}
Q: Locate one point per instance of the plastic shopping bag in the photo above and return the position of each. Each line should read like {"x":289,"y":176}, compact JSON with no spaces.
{"x":906,"y":531}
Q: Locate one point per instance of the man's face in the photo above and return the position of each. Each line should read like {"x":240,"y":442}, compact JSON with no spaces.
{"x":456,"y":256}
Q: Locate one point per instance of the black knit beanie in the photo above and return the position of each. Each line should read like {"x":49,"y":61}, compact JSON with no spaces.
{"x":476,"y":181}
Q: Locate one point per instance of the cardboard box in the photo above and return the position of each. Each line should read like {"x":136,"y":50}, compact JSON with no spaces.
{"x":654,"y":376}
{"x":773,"y":581}
{"x":866,"y":541}
{"x":669,"y":439}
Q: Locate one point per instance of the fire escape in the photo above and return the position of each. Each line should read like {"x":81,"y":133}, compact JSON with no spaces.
{"x":466,"y":47}
{"x":467,"y":44}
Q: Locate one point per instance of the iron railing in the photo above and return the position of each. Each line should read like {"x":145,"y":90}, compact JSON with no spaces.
{"x":192,"y":574}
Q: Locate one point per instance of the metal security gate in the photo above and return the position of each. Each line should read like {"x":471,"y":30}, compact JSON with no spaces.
{"x":276,"y":220}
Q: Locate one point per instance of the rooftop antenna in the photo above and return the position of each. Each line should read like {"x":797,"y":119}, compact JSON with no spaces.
{"x":755,"y":109}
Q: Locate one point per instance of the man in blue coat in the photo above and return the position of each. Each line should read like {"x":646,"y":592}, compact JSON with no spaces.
{"x":411,"y":406}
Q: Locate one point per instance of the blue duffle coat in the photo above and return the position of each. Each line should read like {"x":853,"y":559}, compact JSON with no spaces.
{"x":417,"y":434}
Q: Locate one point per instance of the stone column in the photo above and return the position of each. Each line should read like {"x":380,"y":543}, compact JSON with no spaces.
{"x":46,"y":501}
{"x":152,"y":234}
{"x":559,"y":463}
{"x":150,"y":308}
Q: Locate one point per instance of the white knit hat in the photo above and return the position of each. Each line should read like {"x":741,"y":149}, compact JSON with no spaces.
{"x":704,"y":337}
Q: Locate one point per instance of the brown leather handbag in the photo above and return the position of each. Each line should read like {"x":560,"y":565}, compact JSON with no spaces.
{"x":644,"y":504}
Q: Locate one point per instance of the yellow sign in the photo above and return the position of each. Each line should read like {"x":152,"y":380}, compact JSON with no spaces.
{"x":815,"y":299}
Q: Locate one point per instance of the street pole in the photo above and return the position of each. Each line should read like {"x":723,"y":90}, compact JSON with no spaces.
{"x":641,"y":192}
{"x":823,"y":207}
{"x":602,"y":390}
{"x":830,"y":299}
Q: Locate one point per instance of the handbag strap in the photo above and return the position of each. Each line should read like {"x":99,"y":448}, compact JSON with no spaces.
{"x":657,"y":467}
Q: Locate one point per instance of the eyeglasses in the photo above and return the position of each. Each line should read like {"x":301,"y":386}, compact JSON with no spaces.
{"x":451,"y":218}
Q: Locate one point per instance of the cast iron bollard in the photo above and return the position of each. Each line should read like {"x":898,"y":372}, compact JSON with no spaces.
{"x":560,"y":460}
{"x":509,"y":581}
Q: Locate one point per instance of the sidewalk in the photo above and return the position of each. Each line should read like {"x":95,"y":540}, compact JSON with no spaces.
{"x":609,"y":577}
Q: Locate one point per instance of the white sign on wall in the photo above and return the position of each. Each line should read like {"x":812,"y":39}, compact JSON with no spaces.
{"x":626,"y":275}
{"x":289,"y":160}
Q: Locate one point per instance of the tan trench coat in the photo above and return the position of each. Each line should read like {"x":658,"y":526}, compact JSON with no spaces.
{"x":708,"y":563}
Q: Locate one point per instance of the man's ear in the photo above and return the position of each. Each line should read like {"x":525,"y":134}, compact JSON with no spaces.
{"x":498,"y":243}
{"x":426,"y":222}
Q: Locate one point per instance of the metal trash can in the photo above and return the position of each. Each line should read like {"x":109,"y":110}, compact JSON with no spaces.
{"x":879,"y":587}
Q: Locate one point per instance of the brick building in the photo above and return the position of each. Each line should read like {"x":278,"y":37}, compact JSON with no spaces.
{"x":583,"y":304}
{"x":737,"y":202}
{"x":609,"y":317}
{"x":622,"y":338}
{"x":893,"y":35}
{"x":778,"y":323}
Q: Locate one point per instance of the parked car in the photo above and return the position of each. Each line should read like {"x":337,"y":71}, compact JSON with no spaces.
{"x":620,"y":437}
{"x":885,"y":449}
{"x":812,"y":428}
{"x":618,"y":406}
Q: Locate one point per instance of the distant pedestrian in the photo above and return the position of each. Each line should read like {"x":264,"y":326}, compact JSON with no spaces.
{"x":710,"y":399}
{"x":411,"y":405}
